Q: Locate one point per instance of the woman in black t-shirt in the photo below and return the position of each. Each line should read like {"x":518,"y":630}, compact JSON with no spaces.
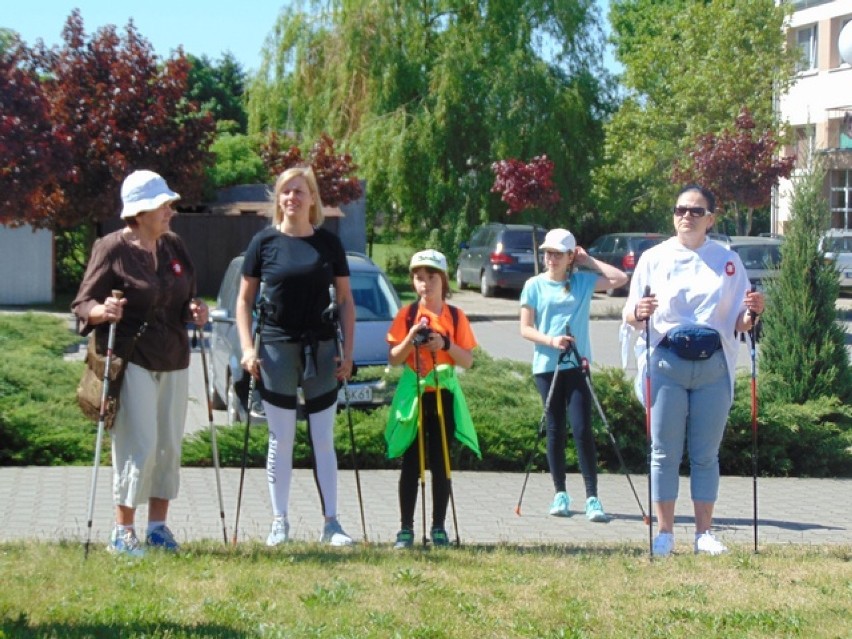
{"x":292,"y":264}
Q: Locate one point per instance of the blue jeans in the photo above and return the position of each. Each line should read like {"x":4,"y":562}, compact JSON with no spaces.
{"x":691,"y":402}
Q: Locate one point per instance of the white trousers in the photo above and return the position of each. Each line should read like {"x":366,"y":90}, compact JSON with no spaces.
{"x":146,"y":438}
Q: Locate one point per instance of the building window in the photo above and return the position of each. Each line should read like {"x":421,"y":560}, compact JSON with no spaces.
{"x":841,"y":199}
{"x":846,"y":131}
{"x":806,"y":40}
{"x":805,"y":145}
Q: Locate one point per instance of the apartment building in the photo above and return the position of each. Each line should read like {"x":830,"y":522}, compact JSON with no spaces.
{"x":819,"y":104}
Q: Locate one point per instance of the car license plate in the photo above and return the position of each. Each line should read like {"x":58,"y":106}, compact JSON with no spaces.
{"x":357,"y":394}
{"x":525,"y":259}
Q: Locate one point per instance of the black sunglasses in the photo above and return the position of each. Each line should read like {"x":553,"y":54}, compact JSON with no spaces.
{"x":693,"y":211}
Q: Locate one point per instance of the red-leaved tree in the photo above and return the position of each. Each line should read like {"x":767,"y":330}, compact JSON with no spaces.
{"x":739,"y":167}
{"x":119,"y":109}
{"x":34,"y":154}
{"x":526,"y":186}
{"x":334,"y":172}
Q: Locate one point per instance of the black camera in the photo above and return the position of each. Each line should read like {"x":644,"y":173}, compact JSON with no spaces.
{"x":422,"y":336}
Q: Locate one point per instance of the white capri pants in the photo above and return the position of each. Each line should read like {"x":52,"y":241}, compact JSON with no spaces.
{"x":146,"y":438}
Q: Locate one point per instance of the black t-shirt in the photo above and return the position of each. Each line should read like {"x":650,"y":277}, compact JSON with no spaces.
{"x":295,"y":274}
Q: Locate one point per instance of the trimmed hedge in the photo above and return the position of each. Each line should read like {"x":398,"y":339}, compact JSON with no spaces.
{"x":40,"y":423}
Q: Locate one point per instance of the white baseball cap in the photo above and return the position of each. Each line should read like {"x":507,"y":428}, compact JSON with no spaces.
{"x":559,"y":240}
{"x":430,"y":258}
{"x":144,"y":191}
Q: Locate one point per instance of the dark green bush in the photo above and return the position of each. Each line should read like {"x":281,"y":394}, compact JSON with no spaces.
{"x":40,"y":423}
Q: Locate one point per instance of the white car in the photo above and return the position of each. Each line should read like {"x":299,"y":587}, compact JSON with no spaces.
{"x":836,"y":246}
{"x":376,"y":304}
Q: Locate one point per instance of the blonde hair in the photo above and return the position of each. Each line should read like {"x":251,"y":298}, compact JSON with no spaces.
{"x":315,"y":215}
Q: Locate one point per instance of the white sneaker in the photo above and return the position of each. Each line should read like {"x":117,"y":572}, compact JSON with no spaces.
{"x":333,"y":534}
{"x":280,"y":532}
{"x":707,"y":544}
{"x":663,"y":544}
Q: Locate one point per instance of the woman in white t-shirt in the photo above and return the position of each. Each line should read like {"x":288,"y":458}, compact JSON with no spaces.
{"x":699,"y":299}
{"x":552,"y":302}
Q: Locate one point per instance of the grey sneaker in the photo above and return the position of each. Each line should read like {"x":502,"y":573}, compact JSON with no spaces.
{"x":334,"y":535}
{"x":125,"y":543}
{"x":280,"y":532}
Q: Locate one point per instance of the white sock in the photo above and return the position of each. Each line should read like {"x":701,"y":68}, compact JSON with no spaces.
{"x":152,"y":525}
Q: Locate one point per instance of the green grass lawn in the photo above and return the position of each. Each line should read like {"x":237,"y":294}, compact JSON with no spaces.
{"x":306,"y":590}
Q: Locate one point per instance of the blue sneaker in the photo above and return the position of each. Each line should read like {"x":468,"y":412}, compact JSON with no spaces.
{"x":161,"y":537}
{"x":125,"y":543}
{"x":561,"y":504}
{"x":440,"y":537}
{"x":404,"y":539}
{"x":594,"y":510}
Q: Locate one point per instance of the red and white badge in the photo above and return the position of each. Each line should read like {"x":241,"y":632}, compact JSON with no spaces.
{"x":177,"y":268}
{"x":730,"y":269}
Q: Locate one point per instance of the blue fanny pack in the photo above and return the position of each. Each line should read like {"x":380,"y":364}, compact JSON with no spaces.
{"x":692,"y":342}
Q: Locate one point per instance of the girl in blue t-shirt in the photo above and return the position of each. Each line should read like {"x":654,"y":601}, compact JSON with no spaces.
{"x":552,"y":304}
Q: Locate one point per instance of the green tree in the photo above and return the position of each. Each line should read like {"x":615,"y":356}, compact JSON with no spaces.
{"x":219,"y":89}
{"x":803,"y":347}
{"x":689,"y":67}
{"x":236,"y":161}
{"x":426,"y":95}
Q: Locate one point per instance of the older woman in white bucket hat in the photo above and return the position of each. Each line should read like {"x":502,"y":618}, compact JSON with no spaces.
{"x":151,"y":266}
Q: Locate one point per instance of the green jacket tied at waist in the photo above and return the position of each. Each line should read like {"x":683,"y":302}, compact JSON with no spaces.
{"x":401,"y":429}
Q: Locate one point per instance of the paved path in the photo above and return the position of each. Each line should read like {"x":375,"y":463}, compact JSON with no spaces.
{"x":52,"y":503}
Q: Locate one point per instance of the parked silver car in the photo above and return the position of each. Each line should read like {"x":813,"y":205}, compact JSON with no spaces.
{"x":376,"y":304}
{"x":836,"y":246}
{"x":761,"y":257}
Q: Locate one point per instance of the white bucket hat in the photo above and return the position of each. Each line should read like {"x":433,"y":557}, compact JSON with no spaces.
{"x":559,"y":240}
{"x":144,"y":191}
{"x":430,"y":258}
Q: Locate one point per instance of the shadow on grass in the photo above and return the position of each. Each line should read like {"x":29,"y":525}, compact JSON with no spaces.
{"x":21,"y":629}
{"x":309,"y":553}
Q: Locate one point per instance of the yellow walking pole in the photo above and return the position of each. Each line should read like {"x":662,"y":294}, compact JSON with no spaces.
{"x":445,"y":446}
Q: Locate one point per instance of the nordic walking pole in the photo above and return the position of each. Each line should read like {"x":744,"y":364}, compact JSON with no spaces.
{"x":213,"y":447}
{"x":421,"y":448}
{"x":753,"y":338}
{"x":647,"y":293}
{"x":101,"y":425}
{"x":445,"y":447}
{"x":542,"y":425}
{"x":261,"y":317}
{"x":332,"y":314}
{"x":587,"y":374}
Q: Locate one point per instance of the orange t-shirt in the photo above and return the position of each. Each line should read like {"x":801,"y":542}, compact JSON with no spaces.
{"x":460,"y":334}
